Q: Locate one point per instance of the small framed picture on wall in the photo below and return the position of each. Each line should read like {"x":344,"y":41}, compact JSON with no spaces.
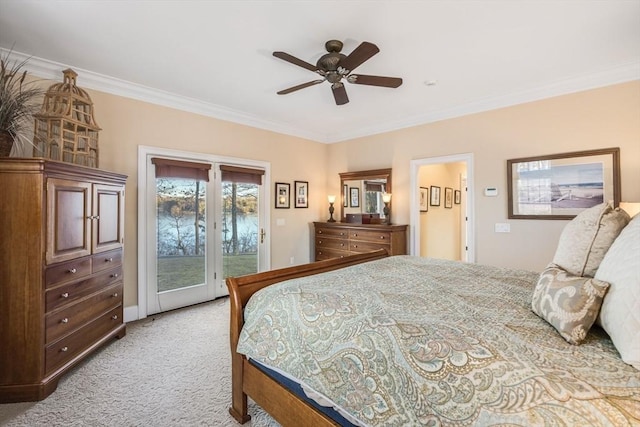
{"x":283,"y":198}
{"x":456,"y":197}
{"x":448,"y":197}
{"x":301,"y":189}
{"x":435,"y":196}
{"x":424,"y":199}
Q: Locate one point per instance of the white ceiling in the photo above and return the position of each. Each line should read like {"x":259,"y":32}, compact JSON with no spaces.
{"x":214,"y":57}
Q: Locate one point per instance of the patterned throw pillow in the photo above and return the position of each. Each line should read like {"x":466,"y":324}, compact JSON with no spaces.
{"x":569,"y":303}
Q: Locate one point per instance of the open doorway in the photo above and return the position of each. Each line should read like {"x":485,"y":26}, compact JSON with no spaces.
{"x":442,"y":226}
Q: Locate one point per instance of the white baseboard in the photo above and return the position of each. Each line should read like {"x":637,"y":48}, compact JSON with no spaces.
{"x":131,"y":313}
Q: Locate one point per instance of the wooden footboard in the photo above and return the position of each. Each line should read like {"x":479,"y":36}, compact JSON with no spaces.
{"x":247,"y":380}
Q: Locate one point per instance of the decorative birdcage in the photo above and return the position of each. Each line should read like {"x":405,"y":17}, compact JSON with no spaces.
{"x":65,"y":128}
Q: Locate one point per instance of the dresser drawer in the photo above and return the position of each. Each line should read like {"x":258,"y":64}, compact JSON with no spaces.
{"x":334,"y":232}
{"x":370,"y":236}
{"x":328,"y":243}
{"x":60,"y":323}
{"x":62,"y":295}
{"x":67,"y":271}
{"x":329,"y":253}
{"x":62,"y":351}
{"x":367,"y":246}
{"x":107,"y":260}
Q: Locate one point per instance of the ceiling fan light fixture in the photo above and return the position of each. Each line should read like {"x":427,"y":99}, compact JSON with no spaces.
{"x":333,"y":66}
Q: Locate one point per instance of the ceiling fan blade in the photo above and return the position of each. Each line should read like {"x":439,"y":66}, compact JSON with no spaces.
{"x":292,"y":59}
{"x":360,"y":54}
{"x":302,"y":86}
{"x":339,"y":93}
{"x":362,"y":79}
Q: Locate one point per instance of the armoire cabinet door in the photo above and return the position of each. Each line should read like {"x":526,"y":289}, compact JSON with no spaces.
{"x":108,"y":208}
{"x":68,"y":220}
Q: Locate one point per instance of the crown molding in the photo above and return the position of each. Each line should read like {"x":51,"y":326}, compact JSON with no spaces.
{"x":51,"y":70}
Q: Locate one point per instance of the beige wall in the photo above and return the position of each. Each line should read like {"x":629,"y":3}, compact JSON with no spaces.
{"x":440,"y":227}
{"x":599,"y":118}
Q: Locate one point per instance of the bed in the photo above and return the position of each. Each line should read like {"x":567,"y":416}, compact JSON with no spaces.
{"x":404,"y":340}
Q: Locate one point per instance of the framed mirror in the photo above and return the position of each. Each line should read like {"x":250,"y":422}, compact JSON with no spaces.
{"x":362,"y":195}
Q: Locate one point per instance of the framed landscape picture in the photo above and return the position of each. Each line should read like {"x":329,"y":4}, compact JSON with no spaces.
{"x":560,"y":186}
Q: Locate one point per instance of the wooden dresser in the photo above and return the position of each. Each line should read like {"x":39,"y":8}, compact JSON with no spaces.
{"x":339,"y":239}
{"x":61,"y":244}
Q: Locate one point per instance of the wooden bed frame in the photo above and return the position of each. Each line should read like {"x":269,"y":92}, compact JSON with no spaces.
{"x":247,"y":380}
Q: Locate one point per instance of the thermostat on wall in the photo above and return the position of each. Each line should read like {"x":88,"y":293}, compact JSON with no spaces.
{"x":491,"y":192}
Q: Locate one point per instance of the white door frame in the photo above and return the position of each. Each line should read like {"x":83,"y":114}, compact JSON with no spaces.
{"x":414,"y":208}
{"x":143,"y":204}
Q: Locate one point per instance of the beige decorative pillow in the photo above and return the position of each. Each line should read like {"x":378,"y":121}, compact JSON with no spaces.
{"x":620,"y":312}
{"x":587,"y":238}
{"x":569,"y":303}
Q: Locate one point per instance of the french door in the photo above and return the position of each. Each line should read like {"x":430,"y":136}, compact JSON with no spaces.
{"x":201,"y":227}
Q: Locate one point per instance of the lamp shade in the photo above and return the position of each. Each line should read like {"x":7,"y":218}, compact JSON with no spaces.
{"x":632,"y":208}
{"x":386,"y":197}
{"x":332,"y":199}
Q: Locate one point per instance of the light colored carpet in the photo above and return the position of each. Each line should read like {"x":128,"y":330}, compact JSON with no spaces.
{"x":171,"y":369}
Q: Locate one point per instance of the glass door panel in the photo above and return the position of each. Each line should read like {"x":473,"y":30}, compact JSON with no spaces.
{"x":181,"y":275}
{"x":241,"y":232}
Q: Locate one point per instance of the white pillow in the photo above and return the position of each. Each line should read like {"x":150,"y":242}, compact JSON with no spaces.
{"x":620,"y":312}
{"x":586,"y":239}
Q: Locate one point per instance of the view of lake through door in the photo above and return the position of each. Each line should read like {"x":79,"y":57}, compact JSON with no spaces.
{"x":241,"y":232}
{"x":204,"y":223}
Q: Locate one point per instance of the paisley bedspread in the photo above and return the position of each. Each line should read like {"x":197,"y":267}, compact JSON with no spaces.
{"x":409,"y":341}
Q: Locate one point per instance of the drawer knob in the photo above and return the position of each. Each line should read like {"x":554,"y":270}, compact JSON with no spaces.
{"x":355,"y":234}
{"x":65,"y":320}
{"x":319,"y":231}
{"x":114,"y":317}
{"x":341,"y":244}
{"x":64,"y":349}
{"x":382,"y":237}
{"x":108,"y":260}
{"x":73,"y":271}
{"x":342,"y":233}
{"x":355,"y":246}
{"x":319,"y":242}
{"x":114,"y":275}
{"x":65,"y":295}
{"x":115,"y":295}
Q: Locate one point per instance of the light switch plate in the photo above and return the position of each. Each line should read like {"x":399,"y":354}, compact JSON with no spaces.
{"x":502,"y":227}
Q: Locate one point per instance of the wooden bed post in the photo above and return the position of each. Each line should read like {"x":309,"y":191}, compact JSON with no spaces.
{"x":238,"y":409}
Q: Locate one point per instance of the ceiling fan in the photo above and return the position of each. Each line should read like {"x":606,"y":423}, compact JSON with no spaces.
{"x":336,"y":67}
